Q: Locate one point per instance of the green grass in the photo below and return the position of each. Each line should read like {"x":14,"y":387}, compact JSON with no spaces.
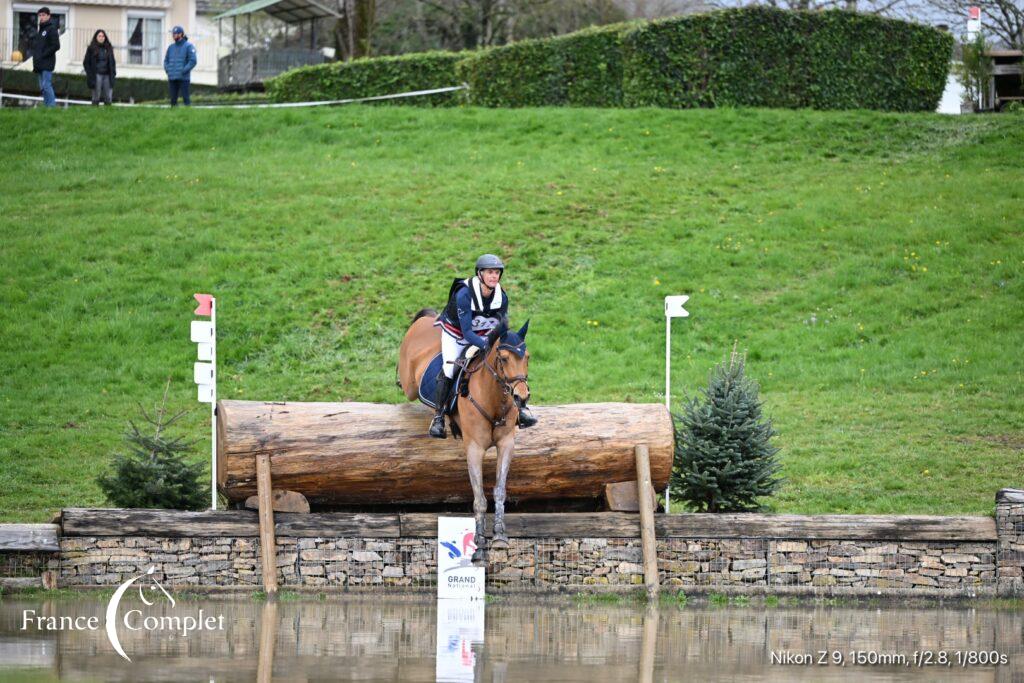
{"x":870,"y":263}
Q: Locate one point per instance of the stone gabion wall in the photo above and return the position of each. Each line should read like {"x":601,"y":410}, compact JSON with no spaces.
{"x":548,"y":564}
{"x":19,"y":564}
{"x":1010,"y":527}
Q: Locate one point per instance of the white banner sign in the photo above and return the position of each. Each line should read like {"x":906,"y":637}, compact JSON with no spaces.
{"x":457,"y":577}
{"x":205,"y":394}
{"x":204,"y":351}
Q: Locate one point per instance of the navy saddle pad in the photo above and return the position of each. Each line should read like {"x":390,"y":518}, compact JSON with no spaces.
{"x":428,"y":385}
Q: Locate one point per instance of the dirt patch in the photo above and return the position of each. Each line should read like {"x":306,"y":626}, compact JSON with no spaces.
{"x":1012,"y":441}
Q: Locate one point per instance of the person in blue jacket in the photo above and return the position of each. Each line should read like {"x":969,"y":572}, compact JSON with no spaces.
{"x":476,"y":306}
{"x":178,"y":64}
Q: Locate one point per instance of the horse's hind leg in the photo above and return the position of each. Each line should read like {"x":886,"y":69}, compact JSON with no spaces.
{"x":475,"y":459}
{"x":505,"y":448}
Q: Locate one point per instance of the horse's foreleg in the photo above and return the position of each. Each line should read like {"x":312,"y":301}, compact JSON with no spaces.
{"x":475,"y":459}
{"x":505,"y":448}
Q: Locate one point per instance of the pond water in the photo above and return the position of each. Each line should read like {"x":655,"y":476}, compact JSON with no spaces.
{"x":517,"y":638}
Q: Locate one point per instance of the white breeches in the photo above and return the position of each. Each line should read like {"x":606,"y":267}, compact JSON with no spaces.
{"x":451,"y":350}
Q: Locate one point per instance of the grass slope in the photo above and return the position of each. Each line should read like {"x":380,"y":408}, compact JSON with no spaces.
{"x":870,"y":263}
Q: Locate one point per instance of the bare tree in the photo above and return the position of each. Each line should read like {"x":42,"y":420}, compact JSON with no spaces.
{"x":353,"y":32}
{"x":915,"y":10}
{"x":1000,"y":19}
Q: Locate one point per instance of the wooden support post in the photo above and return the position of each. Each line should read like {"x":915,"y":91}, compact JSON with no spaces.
{"x":268,"y":544}
{"x":648,"y":539}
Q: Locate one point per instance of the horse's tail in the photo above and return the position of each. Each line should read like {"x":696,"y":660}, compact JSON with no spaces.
{"x":423,"y":312}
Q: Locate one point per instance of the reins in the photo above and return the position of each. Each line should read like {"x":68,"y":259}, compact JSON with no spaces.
{"x":507,"y":385}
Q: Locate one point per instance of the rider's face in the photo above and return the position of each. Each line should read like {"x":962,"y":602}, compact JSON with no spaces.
{"x":490,"y":277}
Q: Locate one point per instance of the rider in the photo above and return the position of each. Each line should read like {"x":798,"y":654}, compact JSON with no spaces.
{"x":476,"y":306}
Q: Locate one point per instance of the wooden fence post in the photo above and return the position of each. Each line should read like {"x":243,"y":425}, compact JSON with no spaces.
{"x":268,"y":544}
{"x":648,"y":539}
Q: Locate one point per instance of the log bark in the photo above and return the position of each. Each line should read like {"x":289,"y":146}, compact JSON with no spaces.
{"x":370,"y":454}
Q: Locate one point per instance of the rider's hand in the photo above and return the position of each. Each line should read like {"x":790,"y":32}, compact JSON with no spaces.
{"x":472,"y":351}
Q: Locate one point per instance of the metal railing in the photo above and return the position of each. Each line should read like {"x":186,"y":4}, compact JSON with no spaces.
{"x":74,"y":42}
{"x":248,"y":66}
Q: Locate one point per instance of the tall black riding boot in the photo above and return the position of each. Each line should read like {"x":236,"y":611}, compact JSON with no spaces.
{"x":440,"y":396}
{"x":526,"y":418}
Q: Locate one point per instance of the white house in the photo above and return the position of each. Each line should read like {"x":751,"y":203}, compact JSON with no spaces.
{"x":138,"y":29}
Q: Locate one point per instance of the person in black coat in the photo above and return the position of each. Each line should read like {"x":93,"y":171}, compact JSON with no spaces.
{"x":45,"y":43}
{"x":100,"y":67}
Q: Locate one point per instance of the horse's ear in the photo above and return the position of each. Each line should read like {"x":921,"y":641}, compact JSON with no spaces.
{"x":522,"y":330}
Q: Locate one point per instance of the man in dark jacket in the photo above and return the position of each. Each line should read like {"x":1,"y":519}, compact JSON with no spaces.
{"x":178,"y":64}
{"x":43,"y":49}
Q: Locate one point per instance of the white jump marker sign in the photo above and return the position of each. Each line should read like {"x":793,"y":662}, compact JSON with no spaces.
{"x":204,"y":373}
{"x":673,"y":309}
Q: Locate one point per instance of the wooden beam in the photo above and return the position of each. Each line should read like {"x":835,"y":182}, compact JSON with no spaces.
{"x":173,"y":523}
{"x":244,"y":523}
{"x":537,"y":524}
{"x":268,"y":543}
{"x":40,"y":537}
{"x":648,"y":539}
{"x":338,"y":524}
{"x":828,"y":527}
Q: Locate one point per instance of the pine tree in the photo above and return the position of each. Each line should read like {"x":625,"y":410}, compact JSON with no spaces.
{"x":154,"y":473}
{"x":724,"y":460}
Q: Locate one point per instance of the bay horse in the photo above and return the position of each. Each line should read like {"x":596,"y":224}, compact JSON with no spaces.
{"x":486,"y":415}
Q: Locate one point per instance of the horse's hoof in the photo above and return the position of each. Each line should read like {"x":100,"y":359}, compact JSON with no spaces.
{"x":499,"y":543}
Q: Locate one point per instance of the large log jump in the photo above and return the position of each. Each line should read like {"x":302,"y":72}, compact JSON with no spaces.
{"x":380,"y":454}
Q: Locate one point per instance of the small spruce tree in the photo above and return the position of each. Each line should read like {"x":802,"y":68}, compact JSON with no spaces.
{"x":724,"y":460}
{"x":154,"y":473}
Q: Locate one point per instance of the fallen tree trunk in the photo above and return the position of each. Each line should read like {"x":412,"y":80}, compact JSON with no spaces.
{"x":373,"y":453}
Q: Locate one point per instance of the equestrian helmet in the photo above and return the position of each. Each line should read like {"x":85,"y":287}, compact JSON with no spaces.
{"x":489,"y":261}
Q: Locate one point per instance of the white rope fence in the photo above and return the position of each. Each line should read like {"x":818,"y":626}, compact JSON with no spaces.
{"x":243,"y":105}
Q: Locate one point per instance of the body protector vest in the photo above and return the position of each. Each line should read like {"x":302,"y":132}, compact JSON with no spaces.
{"x":486,"y":311}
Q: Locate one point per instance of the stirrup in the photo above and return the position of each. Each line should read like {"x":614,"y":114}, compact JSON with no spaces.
{"x":437,"y":427}
{"x":525,"y":419}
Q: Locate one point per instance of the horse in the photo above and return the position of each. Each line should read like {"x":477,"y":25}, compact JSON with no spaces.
{"x":486,"y":414}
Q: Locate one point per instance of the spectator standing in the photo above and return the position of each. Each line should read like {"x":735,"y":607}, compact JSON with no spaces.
{"x":45,"y":43}
{"x":178,"y":64}
{"x":100,"y":68}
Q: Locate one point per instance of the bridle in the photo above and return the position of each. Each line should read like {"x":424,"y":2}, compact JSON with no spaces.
{"x":507,"y":384}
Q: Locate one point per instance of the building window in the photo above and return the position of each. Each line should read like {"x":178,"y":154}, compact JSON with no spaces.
{"x":145,"y":38}
{"x":27,"y":22}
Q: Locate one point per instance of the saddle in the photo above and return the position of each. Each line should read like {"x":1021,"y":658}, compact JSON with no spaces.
{"x":429,"y":383}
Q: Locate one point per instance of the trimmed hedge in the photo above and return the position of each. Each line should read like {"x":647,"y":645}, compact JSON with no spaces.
{"x":578,"y":69}
{"x":749,"y":57}
{"x":764,"y":57}
{"x":371,"y":77}
{"x":74,"y":86}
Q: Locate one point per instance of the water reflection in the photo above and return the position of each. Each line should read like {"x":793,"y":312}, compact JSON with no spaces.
{"x":518,"y":639}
